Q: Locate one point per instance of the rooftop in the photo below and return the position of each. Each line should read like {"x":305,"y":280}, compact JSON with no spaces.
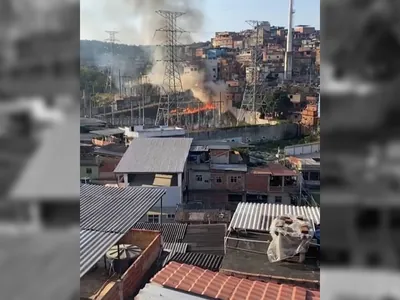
{"x":108,"y":131}
{"x":252,"y":262}
{"x":171,"y":232}
{"x":195,"y":280}
{"x":155,"y":155}
{"x":205,"y":261}
{"x":258,"y":216}
{"x":206,"y":238}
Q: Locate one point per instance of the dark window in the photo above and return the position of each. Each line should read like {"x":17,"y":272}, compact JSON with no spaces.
{"x":233,"y":179}
{"x":88,"y":170}
{"x":199,"y":178}
{"x":218,"y":179}
{"x":278,"y":199}
{"x":153,"y":218}
{"x":171,"y":216}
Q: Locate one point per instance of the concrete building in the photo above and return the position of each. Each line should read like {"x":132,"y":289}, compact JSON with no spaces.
{"x":309,"y":167}
{"x":304,"y":29}
{"x":155,"y":162}
{"x":212,"y":69}
{"x":225,"y":39}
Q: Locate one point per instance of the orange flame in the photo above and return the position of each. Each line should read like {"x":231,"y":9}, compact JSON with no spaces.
{"x":189,"y":110}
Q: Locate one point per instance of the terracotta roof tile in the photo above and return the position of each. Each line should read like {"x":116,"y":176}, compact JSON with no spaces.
{"x":219,"y":286}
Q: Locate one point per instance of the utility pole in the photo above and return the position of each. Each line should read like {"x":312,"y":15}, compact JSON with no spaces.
{"x":172,"y":96}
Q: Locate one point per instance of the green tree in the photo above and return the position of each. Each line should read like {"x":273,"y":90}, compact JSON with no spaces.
{"x":92,"y":79}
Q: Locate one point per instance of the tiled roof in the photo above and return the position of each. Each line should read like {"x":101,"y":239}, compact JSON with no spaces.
{"x":201,"y":260}
{"x":171,"y":232}
{"x":218,"y":286}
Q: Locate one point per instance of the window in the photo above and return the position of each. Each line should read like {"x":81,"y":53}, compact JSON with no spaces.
{"x":218,"y":179}
{"x":199,"y":178}
{"x":171,"y":216}
{"x":278,"y":199}
{"x":88,"y":170}
{"x":233,"y":179}
{"x":153,"y":218}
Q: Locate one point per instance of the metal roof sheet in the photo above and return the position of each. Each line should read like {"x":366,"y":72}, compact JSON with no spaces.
{"x":93,"y":245}
{"x":113,"y":209}
{"x":174,"y":248}
{"x":171,"y":232}
{"x":152,"y":291}
{"x":229,"y":167}
{"x":258,"y":216}
{"x":108,"y":131}
{"x":155,"y":155}
{"x":205,"y":261}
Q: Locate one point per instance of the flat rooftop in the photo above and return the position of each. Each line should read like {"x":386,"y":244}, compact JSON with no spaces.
{"x":249,"y":259}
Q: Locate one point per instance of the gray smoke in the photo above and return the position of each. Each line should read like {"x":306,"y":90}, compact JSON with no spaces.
{"x":137,"y":23}
{"x":137,"y":20}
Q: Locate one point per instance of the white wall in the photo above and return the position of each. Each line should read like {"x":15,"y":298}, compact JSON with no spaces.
{"x":302,"y":149}
{"x":172,"y":198}
{"x":212,"y":69}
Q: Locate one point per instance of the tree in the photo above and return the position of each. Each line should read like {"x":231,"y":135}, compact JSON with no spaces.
{"x":283,"y":104}
{"x":92,"y":79}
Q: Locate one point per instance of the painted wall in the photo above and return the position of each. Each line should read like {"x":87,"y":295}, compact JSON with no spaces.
{"x":95,"y":174}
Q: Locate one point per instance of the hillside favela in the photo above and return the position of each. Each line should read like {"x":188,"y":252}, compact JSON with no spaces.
{"x":200,"y":151}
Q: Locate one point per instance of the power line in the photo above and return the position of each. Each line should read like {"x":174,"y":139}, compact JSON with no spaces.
{"x":110,"y":67}
{"x":171,"y":98}
{"x":255,"y":90}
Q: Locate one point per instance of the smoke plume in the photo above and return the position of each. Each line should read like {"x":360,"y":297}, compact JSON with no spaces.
{"x":137,"y":23}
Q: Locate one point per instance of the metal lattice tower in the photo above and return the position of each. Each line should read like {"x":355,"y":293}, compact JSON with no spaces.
{"x":110,"y":68}
{"x":254,"y":96}
{"x":171,"y":98}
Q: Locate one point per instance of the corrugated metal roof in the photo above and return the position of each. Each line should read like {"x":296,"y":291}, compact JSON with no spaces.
{"x":153,"y":291}
{"x":93,"y":245}
{"x":112,"y":209}
{"x":258,"y":216}
{"x":155,"y":155}
{"x":198,"y":148}
{"x":174,"y":248}
{"x":201,"y":260}
{"x":171,"y":232}
{"x":229,"y":167}
{"x":108,"y":131}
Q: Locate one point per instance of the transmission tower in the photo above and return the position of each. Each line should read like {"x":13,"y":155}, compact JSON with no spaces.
{"x":255,"y":90}
{"x":110,"y":68}
{"x":171,"y":98}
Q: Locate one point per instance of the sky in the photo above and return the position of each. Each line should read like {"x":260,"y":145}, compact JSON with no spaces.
{"x":219,"y":15}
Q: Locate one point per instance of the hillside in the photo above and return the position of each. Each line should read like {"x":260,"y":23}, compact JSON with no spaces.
{"x":129,"y":59}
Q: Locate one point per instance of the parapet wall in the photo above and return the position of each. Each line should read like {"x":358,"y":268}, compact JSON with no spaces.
{"x":250,"y":133}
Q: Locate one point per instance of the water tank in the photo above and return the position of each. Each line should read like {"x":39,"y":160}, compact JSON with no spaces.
{"x":123,"y":256}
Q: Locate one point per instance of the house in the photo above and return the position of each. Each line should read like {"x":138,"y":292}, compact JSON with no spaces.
{"x":90,"y":167}
{"x":156,"y":162}
{"x":309,"y":168}
{"x":273,"y":183}
{"x":216,"y":175}
{"x":183,"y":281}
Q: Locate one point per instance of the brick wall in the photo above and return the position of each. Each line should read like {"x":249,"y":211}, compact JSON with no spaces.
{"x":150,"y":242}
{"x":257,"y":183}
{"x":132,"y":278}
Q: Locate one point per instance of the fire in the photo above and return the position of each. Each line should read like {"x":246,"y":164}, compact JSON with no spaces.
{"x":190,"y":111}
